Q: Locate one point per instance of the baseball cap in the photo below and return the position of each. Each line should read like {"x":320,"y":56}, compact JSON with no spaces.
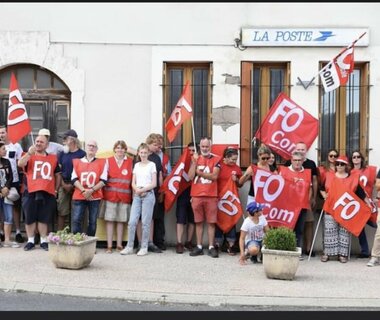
{"x":342,"y":159}
{"x":254,"y":206}
{"x":69,"y":133}
{"x":44,"y":132}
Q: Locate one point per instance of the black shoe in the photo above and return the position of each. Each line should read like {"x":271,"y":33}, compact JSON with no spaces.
{"x":2,"y":237}
{"x":19,"y":238}
{"x":254,"y":259}
{"x":44,"y":246}
{"x":363,"y":256}
{"x":196,"y":252}
{"x":29,"y":246}
{"x":162,"y":246}
{"x":312,"y":253}
{"x":213,"y":253}
{"x":153,"y":248}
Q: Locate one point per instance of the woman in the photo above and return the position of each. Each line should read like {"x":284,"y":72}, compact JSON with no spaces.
{"x":327,"y":170}
{"x":272,"y":162}
{"x":336,"y":239}
{"x":228,"y":169}
{"x":144,"y":180}
{"x":117,"y":194}
{"x":367,"y":176}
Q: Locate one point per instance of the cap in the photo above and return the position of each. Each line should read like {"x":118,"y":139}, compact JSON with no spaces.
{"x":12,"y":196}
{"x":69,"y":133}
{"x":342,"y":159}
{"x":253,"y":207}
{"x":44,"y":132}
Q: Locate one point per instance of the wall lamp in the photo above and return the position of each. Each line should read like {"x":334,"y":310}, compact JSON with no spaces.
{"x":237,"y":42}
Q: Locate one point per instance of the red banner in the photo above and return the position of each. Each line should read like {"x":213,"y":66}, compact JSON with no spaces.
{"x":285,"y":125}
{"x":18,"y":120}
{"x":177,"y":181}
{"x":229,"y":207}
{"x":346,"y":207}
{"x":218,"y":149}
{"x":280,"y":195}
{"x":180,"y":114}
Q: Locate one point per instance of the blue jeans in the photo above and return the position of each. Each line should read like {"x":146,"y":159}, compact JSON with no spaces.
{"x":219,"y":235}
{"x":141,"y":206}
{"x":7,"y":210}
{"x":79,"y":207}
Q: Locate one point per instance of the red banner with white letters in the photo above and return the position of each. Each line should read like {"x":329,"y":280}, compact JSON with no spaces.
{"x":283,"y":204}
{"x":346,"y":207}
{"x":18,"y":125}
{"x":229,"y":206}
{"x":286,"y":124}
{"x":177,"y":181}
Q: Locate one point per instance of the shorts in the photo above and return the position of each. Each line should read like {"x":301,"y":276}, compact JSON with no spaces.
{"x":254,"y":243}
{"x":184,"y":211}
{"x":116,"y":211}
{"x":64,"y":202}
{"x":205,"y":208}
{"x":38,"y":207}
{"x":309,"y":216}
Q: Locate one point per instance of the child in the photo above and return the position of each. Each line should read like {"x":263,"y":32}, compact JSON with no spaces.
{"x":252,"y":232}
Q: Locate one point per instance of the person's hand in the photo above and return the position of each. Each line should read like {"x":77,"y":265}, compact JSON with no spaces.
{"x":32,"y":150}
{"x":4,"y":192}
{"x":242,"y":260}
{"x":88,"y":194}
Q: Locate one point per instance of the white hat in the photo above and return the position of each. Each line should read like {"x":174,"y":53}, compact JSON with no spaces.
{"x":44,"y":132}
{"x":12,"y":196}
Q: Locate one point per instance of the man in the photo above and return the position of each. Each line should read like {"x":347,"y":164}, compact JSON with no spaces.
{"x":14,"y":153}
{"x":375,"y":253}
{"x":204,"y":172}
{"x":302,"y":179}
{"x":309,"y":218}
{"x":53,"y":147}
{"x":43,"y":179}
{"x":89,"y":176}
{"x":71,"y":151}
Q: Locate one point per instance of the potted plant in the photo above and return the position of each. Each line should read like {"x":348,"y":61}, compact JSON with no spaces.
{"x":71,"y":251}
{"x":280,"y":253}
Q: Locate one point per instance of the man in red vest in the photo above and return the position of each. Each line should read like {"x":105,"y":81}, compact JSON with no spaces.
{"x":43,"y":178}
{"x":204,"y":170}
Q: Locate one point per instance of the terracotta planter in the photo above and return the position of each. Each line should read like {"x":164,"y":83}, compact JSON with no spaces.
{"x":279,"y":264}
{"x":76,"y":256}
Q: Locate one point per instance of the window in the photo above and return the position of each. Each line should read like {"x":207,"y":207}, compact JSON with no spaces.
{"x":344,"y":115}
{"x":174,"y":78}
{"x":261,"y":83}
{"x":46,"y":99}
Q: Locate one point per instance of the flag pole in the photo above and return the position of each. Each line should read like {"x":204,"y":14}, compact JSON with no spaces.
{"x":31,"y":135}
{"x":192,"y":125}
{"x":315,"y":234}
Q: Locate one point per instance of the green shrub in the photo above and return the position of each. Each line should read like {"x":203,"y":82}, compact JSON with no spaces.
{"x":280,"y":239}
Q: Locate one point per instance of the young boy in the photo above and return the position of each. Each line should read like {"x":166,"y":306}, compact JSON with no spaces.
{"x":252,"y":232}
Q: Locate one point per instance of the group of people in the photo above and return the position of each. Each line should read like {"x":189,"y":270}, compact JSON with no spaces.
{"x":125,"y":191}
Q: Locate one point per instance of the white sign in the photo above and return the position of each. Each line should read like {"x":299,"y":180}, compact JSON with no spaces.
{"x":303,"y":37}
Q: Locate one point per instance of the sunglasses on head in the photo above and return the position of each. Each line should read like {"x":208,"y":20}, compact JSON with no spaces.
{"x":333,"y":155}
{"x":340,"y":164}
{"x":356,"y":157}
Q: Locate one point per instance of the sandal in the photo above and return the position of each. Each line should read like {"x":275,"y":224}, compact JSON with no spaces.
{"x":109,"y":250}
{"x":119,"y":248}
{"x":324,"y":258}
{"x":343,"y":259}
{"x":229,"y":250}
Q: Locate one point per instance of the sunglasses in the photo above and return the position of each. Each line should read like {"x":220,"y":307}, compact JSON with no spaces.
{"x":356,"y":157}
{"x":340,"y":164}
{"x":333,"y":155}
{"x":265,"y":158}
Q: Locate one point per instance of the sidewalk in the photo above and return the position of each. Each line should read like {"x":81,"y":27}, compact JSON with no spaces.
{"x":174,"y":278}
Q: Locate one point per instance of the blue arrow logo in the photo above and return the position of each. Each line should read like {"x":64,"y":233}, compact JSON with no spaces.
{"x":325,"y":35}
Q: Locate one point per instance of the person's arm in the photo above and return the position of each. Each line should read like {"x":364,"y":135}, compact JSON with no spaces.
{"x":243,"y":234}
{"x":193,"y":166}
{"x":244,"y":178}
{"x":213,"y":176}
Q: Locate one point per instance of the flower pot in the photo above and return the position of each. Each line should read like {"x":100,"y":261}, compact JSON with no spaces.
{"x":279,"y":264}
{"x":74,"y":256}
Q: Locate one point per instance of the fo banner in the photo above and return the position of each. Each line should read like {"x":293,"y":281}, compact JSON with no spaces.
{"x":285,"y":125}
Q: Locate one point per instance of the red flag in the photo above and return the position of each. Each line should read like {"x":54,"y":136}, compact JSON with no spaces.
{"x":286,"y":124}
{"x":177,"y":181}
{"x":346,"y":207}
{"x":18,"y":121}
{"x":337,"y":72}
{"x":218,"y":149}
{"x":229,"y":206}
{"x":180,"y":114}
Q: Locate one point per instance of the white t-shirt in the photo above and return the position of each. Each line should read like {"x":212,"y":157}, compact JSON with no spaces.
{"x":144,"y":173}
{"x":14,"y":153}
{"x":54,"y":148}
{"x":254,"y":231}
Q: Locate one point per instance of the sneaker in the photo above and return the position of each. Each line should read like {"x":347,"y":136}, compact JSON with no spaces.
{"x":254,"y":259}
{"x":142,"y":252}
{"x":2,"y":237}
{"x":162,"y":246}
{"x":45,"y":246}
{"x":374,"y":261}
{"x":29,"y":246}
{"x":153,"y":248}
{"x":308,"y":253}
{"x":196,"y":252}
{"x":302,"y":257}
{"x":213,"y":253}
{"x":126,"y":250}
{"x":364,"y":256}
{"x":179,"y":247}
{"x":19,"y":238}
{"x":189,"y":246}
{"x":11,"y":245}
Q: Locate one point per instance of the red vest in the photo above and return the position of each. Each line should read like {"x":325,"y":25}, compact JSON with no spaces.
{"x":118,"y":188}
{"x":40,"y":173}
{"x":202,"y":187}
{"x":302,"y":181}
{"x":89,"y":175}
{"x":367,"y":177}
